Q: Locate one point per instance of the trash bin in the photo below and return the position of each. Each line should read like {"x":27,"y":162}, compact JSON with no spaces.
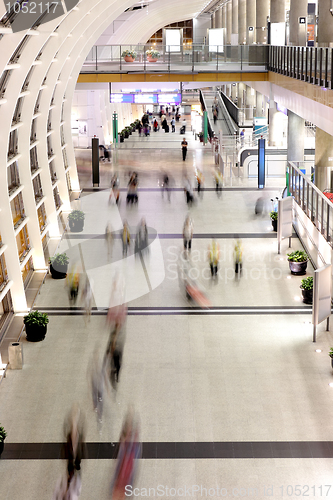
{"x":15,"y":356}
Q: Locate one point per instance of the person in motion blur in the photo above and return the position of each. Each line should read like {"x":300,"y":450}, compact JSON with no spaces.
{"x":75,"y":443}
{"x":200,"y":180}
{"x":97,"y":385}
{"x":109,"y":239}
{"x":114,"y":353}
{"x":166,"y":185}
{"x":126,"y":238}
{"x":73,"y":284}
{"x":218,"y":178}
{"x":214,"y":257}
{"x":87,"y":297}
{"x":188,"y":191}
{"x":114,"y":189}
{"x":238,"y":257}
{"x":141,"y":239}
{"x":188,"y":233}
{"x":130,"y":450}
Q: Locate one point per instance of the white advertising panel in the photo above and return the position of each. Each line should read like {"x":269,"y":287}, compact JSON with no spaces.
{"x":173,"y":38}
{"x":322,"y":294}
{"x":278,"y":33}
{"x":215,"y":40}
{"x":285,"y":218}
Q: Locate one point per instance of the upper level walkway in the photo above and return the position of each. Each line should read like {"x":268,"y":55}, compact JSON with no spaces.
{"x":196,"y":59}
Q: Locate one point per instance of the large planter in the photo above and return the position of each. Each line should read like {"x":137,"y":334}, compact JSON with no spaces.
{"x":129,"y":59}
{"x":274,"y":225}
{"x":76,"y":226}
{"x":121,"y":138}
{"x":58,"y":272}
{"x":126,"y":134}
{"x":35,"y":333}
{"x":298,"y":268}
{"x":307,"y":296}
{"x":332,"y":362}
{"x":152,"y":59}
{"x":2,"y":444}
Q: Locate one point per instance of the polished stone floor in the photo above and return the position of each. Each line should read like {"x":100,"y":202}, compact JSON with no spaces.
{"x":233,"y":398}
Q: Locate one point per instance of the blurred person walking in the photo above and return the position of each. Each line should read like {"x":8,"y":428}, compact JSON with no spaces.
{"x":97,"y":385}
{"x":188,"y":233}
{"x":166,"y":185}
{"x":126,"y":238}
{"x":188,"y":191}
{"x":75,"y":442}
{"x":218,"y":178}
{"x":214,"y":257}
{"x":173,"y":124}
{"x":73,"y":284}
{"x":141,"y":239}
{"x":238,"y":257}
{"x":200,"y":180}
{"x":130,"y":450}
{"x":87,"y":296}
{"x":109,"y":239}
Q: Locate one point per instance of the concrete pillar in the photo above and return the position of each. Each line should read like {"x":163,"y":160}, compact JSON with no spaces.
{"x":278,"y":11}
{"x":241,"y":22}
{"x":229,"y":22}
{"x":262,"y":12}
{"x":323,"y":159}
{"x":250,"y":102}
{"x":296,"y":133}
{"x":234,"y":28}
{"x":275,"y":129}
{"x":298,"y":8}
{"x":325,"y":24}
{"x":250,"y":21}
{"x":260,"y":105}
{"x":233,"y":92}
{"x":224,"y":16}
{"x":212,"y":20}
{"x":218,"y":18}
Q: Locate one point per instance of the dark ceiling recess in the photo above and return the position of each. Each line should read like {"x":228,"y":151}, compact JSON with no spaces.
{"x":138,"y":7}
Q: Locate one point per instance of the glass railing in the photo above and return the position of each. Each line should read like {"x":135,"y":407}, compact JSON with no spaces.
{"x":317,"y":206}
{"x":308,"y":64}
{"x":165,"y":59}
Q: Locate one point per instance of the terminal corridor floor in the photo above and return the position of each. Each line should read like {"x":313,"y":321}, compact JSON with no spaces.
{"x":233,"y":401}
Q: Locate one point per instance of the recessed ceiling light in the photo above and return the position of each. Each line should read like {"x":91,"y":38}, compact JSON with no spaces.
{"x":297,"y":298}
{"x":331,"y":384}
{"x":318,"y":350}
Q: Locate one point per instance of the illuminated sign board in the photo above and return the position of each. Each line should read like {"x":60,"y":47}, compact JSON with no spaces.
{"x":145,"y":98}
{"x":169,"y":98}
{"x":122,"y":98}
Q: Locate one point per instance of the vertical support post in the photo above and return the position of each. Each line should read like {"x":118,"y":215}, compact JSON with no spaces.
{"x":95,"y":161}
{"x":314,"y":333}
{"x":115,"y":128}
{"x":120,"y":57}
{"x":205,"y":127}
{"x":328,"y":324}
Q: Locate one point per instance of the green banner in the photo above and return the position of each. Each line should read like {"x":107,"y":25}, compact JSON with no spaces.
{"x":115,"y":128}
{"x":205,"y":127}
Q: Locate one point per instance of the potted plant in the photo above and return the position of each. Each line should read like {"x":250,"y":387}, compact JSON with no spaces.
{"x":3,"y":435}
{"x":298,"y":262}
{"x":122,"y":136}
{"x":274,"y":217}
{"x":36,"y":326}
{"x":152,"y":55}
{"x":307,"y":289}
{"x":76,"y":221}
{"x":129,"y":55}
{"x":59,"y":266}
{"x":126,"y":133}
{"x":331,"y":356}
{"x":201,"y":137}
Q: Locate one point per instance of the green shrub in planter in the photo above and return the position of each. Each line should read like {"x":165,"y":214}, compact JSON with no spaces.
{"x":307,"y":290}
{"x":3,"y":435}
{"x":76,"y":221}
{"x":59,"y":265}
{"x":36,"y":326}
{"x":297,"y":256}
{"x":298,"y":262}
{"x":273,"y":215}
